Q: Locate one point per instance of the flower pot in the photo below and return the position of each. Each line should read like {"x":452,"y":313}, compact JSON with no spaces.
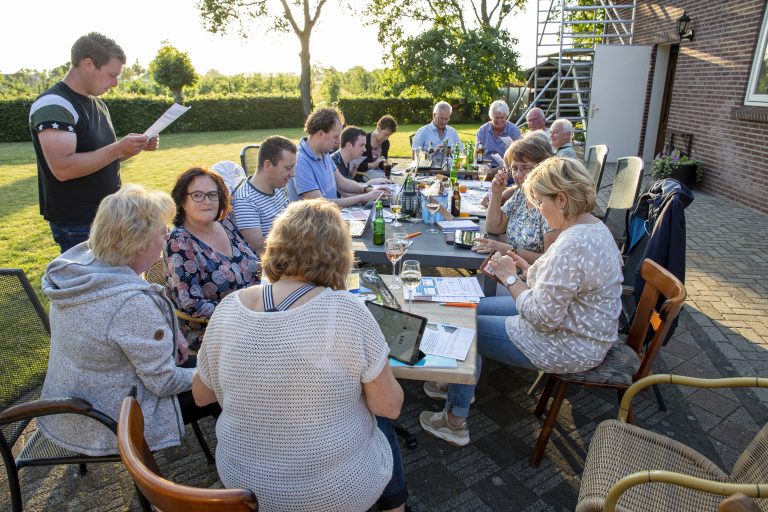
{"x":685,"y":174}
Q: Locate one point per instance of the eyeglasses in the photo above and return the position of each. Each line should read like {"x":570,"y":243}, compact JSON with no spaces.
{"x":522,"y":169}
{"x":198,"y":197}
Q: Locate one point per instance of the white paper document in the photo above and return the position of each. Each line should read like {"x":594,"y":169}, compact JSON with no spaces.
{"x":164,"y":121}
{"x":447,"y":341}
{"x":506,"y":140}
{"x":447,"y":289}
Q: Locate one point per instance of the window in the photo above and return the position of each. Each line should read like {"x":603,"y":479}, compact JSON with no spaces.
{"x":757,"y":90}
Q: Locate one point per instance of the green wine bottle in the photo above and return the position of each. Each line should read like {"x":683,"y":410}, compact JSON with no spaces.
{"x":378,"y":225}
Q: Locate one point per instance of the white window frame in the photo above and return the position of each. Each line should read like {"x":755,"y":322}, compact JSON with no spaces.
{"x":754,"y":99}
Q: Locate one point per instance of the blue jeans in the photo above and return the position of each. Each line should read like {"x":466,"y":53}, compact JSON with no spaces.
{"x":396,"y":492}
{"x":492,"y":341}
{"x":69,"y":236}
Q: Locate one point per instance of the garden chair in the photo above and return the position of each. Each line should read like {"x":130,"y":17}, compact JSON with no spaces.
{"x":632,"y":469}
{"x":595,"y":162}
{"x":162,"y":493}
{"x":24,"y":343}
{"x":232,"y":174}
{"x":624,"y":192}
{"x":626,"y":362}
{"x":249,"y":159}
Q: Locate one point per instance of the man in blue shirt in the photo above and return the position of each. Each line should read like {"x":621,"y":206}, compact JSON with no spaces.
{"x":497,"y":134}
{"x":316,"y":174}
{"x":437,"y":132}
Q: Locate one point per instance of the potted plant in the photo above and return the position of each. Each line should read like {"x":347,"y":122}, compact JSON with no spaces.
{"x":680,"y":167}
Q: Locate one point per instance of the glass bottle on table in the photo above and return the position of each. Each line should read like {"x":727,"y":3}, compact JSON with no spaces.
{"x":480,"y":152}
{"x":378,"y":225}
{"x":411,"y":276}
{"x":456,"y":201}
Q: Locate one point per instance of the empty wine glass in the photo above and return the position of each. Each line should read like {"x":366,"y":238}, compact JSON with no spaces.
{"x":411,"y":276}
{"x":433,"y":205}
{"x":395,"y":204}
{"x":401,"y":235}
{"x":394,"y":249}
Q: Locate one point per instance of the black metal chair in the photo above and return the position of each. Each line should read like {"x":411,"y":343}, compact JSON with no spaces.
{"x":624,"y":192}
{"x":595,"y":163}
{"x":249,"y":159}
{"x":24,"y":345}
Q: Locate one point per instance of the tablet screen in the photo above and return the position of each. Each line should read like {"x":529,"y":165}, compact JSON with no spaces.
{"x":402,"y":331}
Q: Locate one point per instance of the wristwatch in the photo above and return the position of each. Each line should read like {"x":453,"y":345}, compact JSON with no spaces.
{"x":510,"y":280}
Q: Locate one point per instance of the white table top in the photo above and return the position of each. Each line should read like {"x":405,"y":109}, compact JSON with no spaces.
{"x":434,"y":312}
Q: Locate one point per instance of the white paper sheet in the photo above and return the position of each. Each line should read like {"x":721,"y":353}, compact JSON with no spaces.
{"x":507,"y":141}
{"x":447,"y":341}
{"x":447,"y":289}
{"x":164,"y":121}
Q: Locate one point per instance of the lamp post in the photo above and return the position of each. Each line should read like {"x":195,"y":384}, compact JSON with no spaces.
{"x":682,"y":24}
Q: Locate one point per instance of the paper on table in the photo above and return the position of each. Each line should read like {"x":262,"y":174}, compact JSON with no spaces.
{"x":447,"y":341}
{"x":173,"y":113}
{"x":447,"y":289}
{"x":429,"y":361}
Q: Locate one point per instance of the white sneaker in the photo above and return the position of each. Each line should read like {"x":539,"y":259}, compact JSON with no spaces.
{"x":439,"y":390}
{"x":436,"y":424}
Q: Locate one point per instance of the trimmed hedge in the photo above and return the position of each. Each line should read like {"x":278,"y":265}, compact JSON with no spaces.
{"x":241,"y":112}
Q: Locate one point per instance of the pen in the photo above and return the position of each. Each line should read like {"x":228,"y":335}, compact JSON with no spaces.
{"x":412,"y":235}
{"x":459,"y":304}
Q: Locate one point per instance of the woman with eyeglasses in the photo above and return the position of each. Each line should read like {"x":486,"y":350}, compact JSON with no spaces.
{"x":206,"y":257}
{"x":509,"y":213}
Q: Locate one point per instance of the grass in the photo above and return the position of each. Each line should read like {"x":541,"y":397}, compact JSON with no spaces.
{"x":25,"y":240}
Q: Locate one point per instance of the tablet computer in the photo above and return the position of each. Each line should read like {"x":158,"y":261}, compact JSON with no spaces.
{"x":402,"y":331}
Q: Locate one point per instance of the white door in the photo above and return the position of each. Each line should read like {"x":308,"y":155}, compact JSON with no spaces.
{"x":619,"y":80}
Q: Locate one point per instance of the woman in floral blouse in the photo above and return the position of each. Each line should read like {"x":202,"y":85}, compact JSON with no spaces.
{"x":527,"y":232}
{"x":206,"y":257}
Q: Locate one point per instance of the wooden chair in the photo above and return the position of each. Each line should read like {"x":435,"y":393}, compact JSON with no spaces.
{"x":624,"y":192}
{"x":627,"y":362}
{"x":162,"y":493}
{"x":595,"y":163}
{"x":24,"y":343}
{"x":629,"y":468}
{"x":249,"y":159}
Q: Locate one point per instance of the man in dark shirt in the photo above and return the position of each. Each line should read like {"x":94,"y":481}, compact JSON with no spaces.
{"x":78,"y":156}
{"x":350,"y":152}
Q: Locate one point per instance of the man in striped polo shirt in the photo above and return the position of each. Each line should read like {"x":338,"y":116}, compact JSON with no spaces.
{"x":260,"y":199}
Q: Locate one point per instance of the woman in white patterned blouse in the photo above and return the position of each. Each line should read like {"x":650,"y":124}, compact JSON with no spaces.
{"x":568,"y":300}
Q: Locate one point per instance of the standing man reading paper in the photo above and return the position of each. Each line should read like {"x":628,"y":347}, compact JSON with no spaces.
{"x":78,"y":155}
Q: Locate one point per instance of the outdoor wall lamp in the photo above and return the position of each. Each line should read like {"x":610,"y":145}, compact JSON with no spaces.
{"x":682,"y":24}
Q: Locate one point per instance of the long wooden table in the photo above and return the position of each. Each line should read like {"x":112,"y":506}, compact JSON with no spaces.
{"x":460,"y":317}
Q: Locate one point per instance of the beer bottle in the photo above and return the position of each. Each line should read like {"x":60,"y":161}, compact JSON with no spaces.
{"x":480,"y":152}
{"x":456,"y":200}
{"x":378,"y":225}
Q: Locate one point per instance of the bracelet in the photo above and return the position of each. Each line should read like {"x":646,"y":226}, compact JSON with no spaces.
{"x":365,"y":188}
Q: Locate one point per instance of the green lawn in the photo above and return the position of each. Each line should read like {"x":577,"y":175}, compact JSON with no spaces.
{"x":25,"y":240}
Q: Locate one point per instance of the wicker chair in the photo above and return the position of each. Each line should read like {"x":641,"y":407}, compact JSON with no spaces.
{"x":249,"y":159}
{"x":595,"y":163}
{"x":624,"y":363}
{"x":631,"y":469}
{"x":162,"y":493}
{"x":24,"y":344}
{"x":156,"y":274}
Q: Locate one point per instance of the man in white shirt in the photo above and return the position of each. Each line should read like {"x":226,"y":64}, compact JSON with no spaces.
{"x":259,"y":200}
{"x":437,"y":132}
{"x":536,"y":120}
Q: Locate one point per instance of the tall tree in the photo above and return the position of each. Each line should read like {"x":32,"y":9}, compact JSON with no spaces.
{"x":219,"y":14}
{"x":173,"y":69}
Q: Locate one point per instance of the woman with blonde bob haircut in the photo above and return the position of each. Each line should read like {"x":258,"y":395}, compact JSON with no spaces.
{"x":301,"y":370}
{"x":112,"y":330}
{"x":562,"y":316}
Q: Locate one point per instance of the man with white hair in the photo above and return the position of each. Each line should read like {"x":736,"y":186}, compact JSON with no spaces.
{"x":497,"y":134}
{"x":536,"y":120}
{"x":560,"y":136}
{"x":437,"y":132}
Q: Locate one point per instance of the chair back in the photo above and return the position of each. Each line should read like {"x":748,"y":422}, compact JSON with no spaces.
{"x":162,"y":493}
{"x":156,"y":273}
{"x":232,"y":174}
{"x":25,"y":339}
{"x":249,"y":159}
{"x":596,"y":157}
{"x":659,"y":282}
{"x":624,"y":192}
{"x":752,"y":465}
{"x":410,"y":140}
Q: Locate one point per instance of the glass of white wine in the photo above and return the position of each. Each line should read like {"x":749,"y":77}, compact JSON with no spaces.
{"x":395,"y":204}
{"x":411,"y":276}
{"x":482,"y":173}
{"x":433,"y":205}
{"x":394,"y":249}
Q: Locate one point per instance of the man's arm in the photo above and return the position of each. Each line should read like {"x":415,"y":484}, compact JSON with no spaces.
{"x":59,"y":150}
{"x":255,"y":239}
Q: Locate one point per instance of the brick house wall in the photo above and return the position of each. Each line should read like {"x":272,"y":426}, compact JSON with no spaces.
{"x":708,"y":91}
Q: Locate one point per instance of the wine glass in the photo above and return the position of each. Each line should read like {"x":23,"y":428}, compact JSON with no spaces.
{"x":433,"y":205}
{"x":401,"y":235}
{"x":411,"y":276}
{"x":394,"y":249}
{"x":482,"y":173}
{"x":395,"y":204}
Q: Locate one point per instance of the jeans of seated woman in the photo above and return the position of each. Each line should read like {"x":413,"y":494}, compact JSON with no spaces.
{"x":492,"y":341}
{"x":396,"y":491}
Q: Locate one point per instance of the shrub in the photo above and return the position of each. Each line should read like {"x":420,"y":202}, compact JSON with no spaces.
{"x":664,"y":165}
